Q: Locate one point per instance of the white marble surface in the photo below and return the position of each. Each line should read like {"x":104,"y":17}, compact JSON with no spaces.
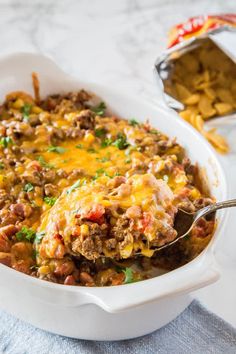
{"x":116,"y":43}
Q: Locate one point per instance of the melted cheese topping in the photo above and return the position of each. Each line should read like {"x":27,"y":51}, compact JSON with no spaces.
{"x":144,"y":191}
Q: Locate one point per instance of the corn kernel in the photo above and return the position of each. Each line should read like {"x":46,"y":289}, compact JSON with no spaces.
{"x":126,"y":251}
{"x":70,"y":116}
{"x":195,"y":193}
{"x":89,"y":138}
{"x":44,"y":270}
{"x":147,"y":253}
{"x":36,"y":110}
{"x":38,"y":201}
{"x":84,"y":230}
{"x":45,"y":207}
{"x":2,"y":180}
{"x":18,"y":104}
{"x":63,"y":183}
{"x":19,"y":169}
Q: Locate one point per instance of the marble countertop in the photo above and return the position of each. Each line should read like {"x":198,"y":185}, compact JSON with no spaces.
{"x":116,"y":43}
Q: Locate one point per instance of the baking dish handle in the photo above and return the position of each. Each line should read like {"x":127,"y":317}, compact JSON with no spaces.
{"x":181,"y":281}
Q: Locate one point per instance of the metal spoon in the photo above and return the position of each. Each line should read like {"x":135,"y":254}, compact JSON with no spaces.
{"x":184,"y":221}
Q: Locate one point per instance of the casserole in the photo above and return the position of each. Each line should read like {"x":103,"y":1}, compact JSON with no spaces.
{"x":138,"y":308}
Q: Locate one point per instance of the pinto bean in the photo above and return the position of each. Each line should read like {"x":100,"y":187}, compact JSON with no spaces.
{"x":86,"y":279}
{"x":76,"y":173}
{"x":49,"y":176}
{"x":5,"y":244}
{"x":22,"y":250}
{"x":23,"y":128}
{"x":9,"y":230}
{"x":50,"y":189}
{"x":70,"y":280}
{"x":23,"y":266}
{"x":118,"y":279}
{"x":5,"y":258}
{"x":22,"y":210}
{"x":7,"y":217}
{"x":64,"y":269}
{"x":116,"y":182}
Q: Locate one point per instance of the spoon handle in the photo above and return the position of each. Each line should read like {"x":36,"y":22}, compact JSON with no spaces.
{"x":216,"y":206}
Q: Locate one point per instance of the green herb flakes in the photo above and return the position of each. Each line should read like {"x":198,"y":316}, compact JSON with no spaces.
{"x":74,"y":186}
{"x":106,"y":142}
{"x":100,"y":172}
{"x":129,"y":277}
{"x":103,"y":159}
{"x":43,"y":163}
{"x":6,"y":141}
{"x":28,"y":187}
{"x":39,"y":236}
{"x":56,"y":149}
{"x":154,"y":131}
{"x":92,"y":150}
{"x":99,"y":109}
{"x":121,"y":142}
{"x":50,"y":200}
{"x":25,"y":234}
{"x":26,"y":111}
{"x":99,"y":132}
{"x":133,"y":122}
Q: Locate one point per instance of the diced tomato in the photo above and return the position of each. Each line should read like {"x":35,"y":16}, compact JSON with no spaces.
{"x":96,"y":213}
{"x":35,"y":165}
{"x":146,"y":221}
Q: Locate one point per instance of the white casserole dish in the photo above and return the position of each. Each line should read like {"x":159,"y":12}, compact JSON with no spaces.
{"x":118,"y":312}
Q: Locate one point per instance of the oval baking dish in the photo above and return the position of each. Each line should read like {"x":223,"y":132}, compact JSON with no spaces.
{"x":117,"y":312}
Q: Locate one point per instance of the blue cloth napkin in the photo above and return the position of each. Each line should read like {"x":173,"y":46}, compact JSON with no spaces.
{"x":195,"y":331}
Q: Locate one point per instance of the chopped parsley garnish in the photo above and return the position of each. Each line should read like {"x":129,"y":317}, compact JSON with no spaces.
{"x":6,"y":141}
{"x":103,"y":159}
{"x":128,"y":160}
{"x":121,"y":142}
{"x":92,"y":150}
{"x":50,"y":200}
{"x":1,"y":165}
{"x":100,"y":172}
{"x":154,"y":131}
{"x":26,"y":111}
{"x":74,"y":186}
{"x":79,"y":146}
{"x":39,"y":236}
{"x":35,"y":255}
{"x":129,"y":276}
{"x":99,"y":109}
{"x":28,"y":187}
{"x":56,"y":149}
{"x":25,"y":234}
{"x":133,"y":122}
{"x":106,"y":142}
{"x":43,"y":163}
{"x":99,"y":132}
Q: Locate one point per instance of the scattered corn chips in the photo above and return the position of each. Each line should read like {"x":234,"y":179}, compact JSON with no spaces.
{"x":204,"y":80}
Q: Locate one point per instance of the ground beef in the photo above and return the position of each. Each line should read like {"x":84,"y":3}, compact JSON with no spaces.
{"x":120,"y":230}
{"x":85,"y":120}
